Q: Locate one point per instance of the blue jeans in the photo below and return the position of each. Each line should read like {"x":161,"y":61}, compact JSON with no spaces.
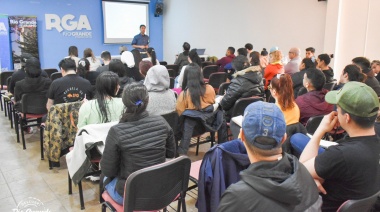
{"x":299,"y":142}
{"x":111,"y":189}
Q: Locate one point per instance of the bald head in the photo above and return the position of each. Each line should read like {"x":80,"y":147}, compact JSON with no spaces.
{"x":294,"y":52}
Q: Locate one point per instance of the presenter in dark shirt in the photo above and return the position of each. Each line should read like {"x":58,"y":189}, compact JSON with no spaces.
{"x":141,"y":41}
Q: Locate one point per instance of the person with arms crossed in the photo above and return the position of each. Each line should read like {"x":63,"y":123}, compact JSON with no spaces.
{"x":141,"y":41}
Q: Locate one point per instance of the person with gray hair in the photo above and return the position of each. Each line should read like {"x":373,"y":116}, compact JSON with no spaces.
{"x":295,"y":61}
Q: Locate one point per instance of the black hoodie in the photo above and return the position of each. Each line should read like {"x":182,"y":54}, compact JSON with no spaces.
{"x":283,"y":185}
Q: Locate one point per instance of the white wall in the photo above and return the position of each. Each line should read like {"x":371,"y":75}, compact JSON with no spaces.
{"x":215,"y":25}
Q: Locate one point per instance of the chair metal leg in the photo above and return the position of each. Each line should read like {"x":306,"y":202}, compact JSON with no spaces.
{"x":5,"y":108}
{"x":81,"y":195}
{"x":42,"y":142}
{"x":50,"y":165}
{"x":197,"y":149}
{"x":2,"y":101}
{"x":17,"y":127}
{"x":22,"y":133}
{"x":70,"y":184}
{"x":183,"y":204}
{"x":11,"y":115}
{"x":212,"y":137}
{"x":9,"y":110}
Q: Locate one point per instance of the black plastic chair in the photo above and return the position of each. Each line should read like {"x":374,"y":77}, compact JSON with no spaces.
{"x":216,"y":79}
{"x":206,"y":63}
{"x":313,"y":123}
{"x":242,"y":103}
{"x":164,"y":63}
{"x":33,"y":109}
{"x":55,"y":76}
{"x":359,"y":205}
{"x":172,"y":73}
{"x":329,"y":86}
{"x":50,"y":71}
{"x":154,"y":188}
{"x":172,"y":119}
{"x":208,"y":70}
{"x":172,"y":82}
{"x":174,"y":67}
{"x":223,"y":88}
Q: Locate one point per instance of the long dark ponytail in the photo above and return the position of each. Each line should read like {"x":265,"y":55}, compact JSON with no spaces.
{"x":106,"y":87}
{"x":193,"y":83}
{"x":152,"y":54}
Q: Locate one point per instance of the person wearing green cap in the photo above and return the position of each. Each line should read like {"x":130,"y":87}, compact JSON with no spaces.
{"x":351,"y":169}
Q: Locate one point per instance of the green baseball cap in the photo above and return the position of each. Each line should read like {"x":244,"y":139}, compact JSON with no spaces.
{"x":355,"y":98}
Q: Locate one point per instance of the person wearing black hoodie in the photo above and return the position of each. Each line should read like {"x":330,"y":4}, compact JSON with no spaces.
{"x":371,"y":80}
{"x":275,"y":181}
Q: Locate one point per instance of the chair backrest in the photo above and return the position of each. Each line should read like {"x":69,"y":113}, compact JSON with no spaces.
{"x":208,"y":70}
{"x":223,"y":88}
{"x":172,"y":119}
{"x":206,"y":63}
{"x":172,"y":82}
{"x":172,"y":73}
{"x":34,"y":103}
{"x":174,"y":67}
{"x":55,"y":76}
{"x":4,"y":76}
{"x":359,"y":205}
{"x":329,"y":86}
{"x":155,"y":187}
{"x":313,"y":123}
{"x":242,"y":103}
{"x":50,"y":71}
{"x":216,"y":79}
{"x":164,"y":63}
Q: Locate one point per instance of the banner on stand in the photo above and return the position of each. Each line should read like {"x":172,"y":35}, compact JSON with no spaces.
{"x":5,"y":47}
{"x":23,"y":33}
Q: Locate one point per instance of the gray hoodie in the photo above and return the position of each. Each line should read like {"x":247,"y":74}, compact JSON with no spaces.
{"x":161,"y":99}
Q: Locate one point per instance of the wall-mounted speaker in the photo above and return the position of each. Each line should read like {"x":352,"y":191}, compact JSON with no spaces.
{"x":159,"y":9}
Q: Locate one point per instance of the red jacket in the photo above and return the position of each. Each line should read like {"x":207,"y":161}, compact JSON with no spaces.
{"x":270,"y":71}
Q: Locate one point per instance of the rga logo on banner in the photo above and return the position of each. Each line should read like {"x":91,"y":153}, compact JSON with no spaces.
{"x":3,"y":29}
{"x":68,"y":25}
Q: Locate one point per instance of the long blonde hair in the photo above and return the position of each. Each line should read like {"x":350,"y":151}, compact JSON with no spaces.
{"x":275,"y":57}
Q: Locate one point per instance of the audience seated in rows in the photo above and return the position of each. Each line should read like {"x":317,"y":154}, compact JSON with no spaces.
{"x":293,"y":65}
{"x":228,"y":67}
{"x":131,"y":71}
{"x":94,"y":62}
{"x":21,"y":74}
{"x":105,"y":107}
{"x":247,"y":82}
{"x":106,"y":57}
{"x":230,"y":55}
{"x":313,"y":102}
{"x":323,"y":62}
{"x":365,"y":65}
{"x":249,"y":48}
{"x":281,"y":89}
{"x":152,"y":56}
{"x":196,"y":96}
{"x":162,"y":99}
{"x":183,"y":58}
{"x":73,"y":54}
{"x":70,"y":88}
{"x":138,"y":141}
{"x":275,"y":181}
{"x":83,"y":70}
{"x":349,"y":170}
{"x":297,"y":78}
{"x":193,"y":59}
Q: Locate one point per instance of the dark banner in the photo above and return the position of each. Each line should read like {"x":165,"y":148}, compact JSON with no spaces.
{"x":23,"y":37}
{"x":5,"y":47}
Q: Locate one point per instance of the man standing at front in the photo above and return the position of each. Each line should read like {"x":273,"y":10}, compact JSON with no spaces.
{"x":141,"y":41}
{"x":275,"y":181}
{"x":351,"y":169}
